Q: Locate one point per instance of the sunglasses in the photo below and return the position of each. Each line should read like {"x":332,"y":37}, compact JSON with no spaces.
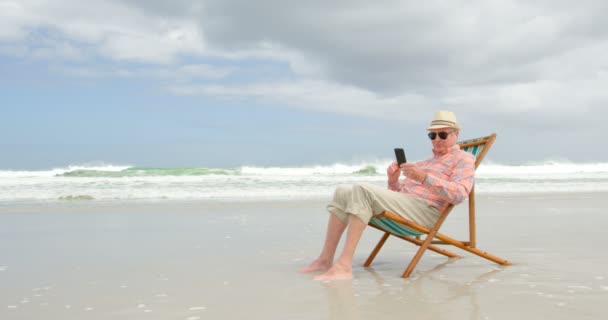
{"x":442,"y":135}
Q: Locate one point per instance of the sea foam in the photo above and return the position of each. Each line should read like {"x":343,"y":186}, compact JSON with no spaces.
{"x":120,"y":182}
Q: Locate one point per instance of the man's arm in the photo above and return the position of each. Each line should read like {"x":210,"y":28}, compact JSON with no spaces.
{"x":393,"y":174}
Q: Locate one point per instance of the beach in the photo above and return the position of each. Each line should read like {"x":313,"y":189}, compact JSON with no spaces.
{"x":90,"y":259}
{"x":173,"y":160}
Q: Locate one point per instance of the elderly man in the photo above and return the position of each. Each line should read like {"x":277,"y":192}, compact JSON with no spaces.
{"x":428,"y":187}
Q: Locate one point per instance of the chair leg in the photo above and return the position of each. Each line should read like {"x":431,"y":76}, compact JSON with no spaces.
{"x":425,"y":244}
{"x":417,"y":257}
{"x":442,"y":251}
{"x":475,"y":251}
{"x":372,"y":255}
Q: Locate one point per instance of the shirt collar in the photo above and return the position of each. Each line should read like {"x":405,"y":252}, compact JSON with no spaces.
{"x":452,"y":149}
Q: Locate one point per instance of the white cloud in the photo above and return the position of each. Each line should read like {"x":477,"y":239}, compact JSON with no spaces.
{"x":180,"y":72}
{"x":116,"y":30}
{"x":160,"y":47}
{"x":13,"y":17}
{"x":318,"y":96}
{"x":194,"y":71}
{"x":494,"y":57}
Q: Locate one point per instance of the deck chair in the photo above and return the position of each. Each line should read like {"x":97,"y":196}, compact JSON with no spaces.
{"x":393,"y":224}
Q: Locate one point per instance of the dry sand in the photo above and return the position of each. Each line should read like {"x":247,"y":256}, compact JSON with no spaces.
{"x":178,"y":260}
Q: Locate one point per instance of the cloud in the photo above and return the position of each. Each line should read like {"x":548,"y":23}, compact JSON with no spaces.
{"x":115,"y":30}
{"x":12,"y":19}
{"x":507,"y":56}
{"x":493,"y":58}
{"x":181,"y":73}
{"x":314,"y":95}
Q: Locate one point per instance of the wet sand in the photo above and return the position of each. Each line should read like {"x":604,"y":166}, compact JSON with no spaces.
{"x":188,"y":260}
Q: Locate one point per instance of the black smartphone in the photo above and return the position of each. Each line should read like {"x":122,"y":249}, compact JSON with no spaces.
{"x":400,"y":154}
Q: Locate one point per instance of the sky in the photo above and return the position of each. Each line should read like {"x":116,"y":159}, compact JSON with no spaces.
{"x":224,"y":83}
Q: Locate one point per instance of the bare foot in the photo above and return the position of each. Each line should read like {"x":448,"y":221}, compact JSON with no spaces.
{"x":317,"y":265}
{"x":336,"y":272}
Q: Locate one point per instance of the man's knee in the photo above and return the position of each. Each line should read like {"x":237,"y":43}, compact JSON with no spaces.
{"x":343,"y":191}
{"x":362,"y":188}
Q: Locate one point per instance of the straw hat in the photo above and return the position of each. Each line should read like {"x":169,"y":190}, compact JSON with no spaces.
{"x":444,"y":119}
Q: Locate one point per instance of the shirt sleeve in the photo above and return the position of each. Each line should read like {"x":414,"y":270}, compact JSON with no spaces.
{"x":459,"y":185}
{"x":395,"y":186}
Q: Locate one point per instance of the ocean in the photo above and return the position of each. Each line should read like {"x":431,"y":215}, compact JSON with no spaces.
{"x":251,"y":183}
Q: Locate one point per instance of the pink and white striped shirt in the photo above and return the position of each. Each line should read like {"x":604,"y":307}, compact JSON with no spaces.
{"x":449,"y":179}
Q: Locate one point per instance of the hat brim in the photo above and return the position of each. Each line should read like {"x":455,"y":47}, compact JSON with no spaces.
{"x":442,"y":126}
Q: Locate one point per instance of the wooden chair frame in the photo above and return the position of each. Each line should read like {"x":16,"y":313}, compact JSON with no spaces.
{"x":429,"y":243}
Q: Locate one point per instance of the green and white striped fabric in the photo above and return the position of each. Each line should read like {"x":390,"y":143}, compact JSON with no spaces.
{"x":394,"y":227}
{"x":475,"y":150}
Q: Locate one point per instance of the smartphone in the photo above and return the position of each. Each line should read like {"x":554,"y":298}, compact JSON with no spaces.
{"x":400,"y":155}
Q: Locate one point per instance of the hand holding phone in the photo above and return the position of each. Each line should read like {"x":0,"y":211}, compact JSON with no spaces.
{"x":400,"y":155}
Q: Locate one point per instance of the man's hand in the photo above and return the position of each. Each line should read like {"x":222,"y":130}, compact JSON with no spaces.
{"x":412,"y":171}
{"x":393,"y":172}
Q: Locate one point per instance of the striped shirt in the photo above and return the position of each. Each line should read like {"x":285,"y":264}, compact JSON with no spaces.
{"x":449,"y":179}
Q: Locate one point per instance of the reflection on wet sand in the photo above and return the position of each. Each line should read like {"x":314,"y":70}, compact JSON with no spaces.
{"x":417,"y":295}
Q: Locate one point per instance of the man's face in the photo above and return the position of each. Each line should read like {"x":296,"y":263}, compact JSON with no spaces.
{"x":450,"y":135}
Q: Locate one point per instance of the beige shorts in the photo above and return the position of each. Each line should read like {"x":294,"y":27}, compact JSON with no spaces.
{"x":364,"y":200}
